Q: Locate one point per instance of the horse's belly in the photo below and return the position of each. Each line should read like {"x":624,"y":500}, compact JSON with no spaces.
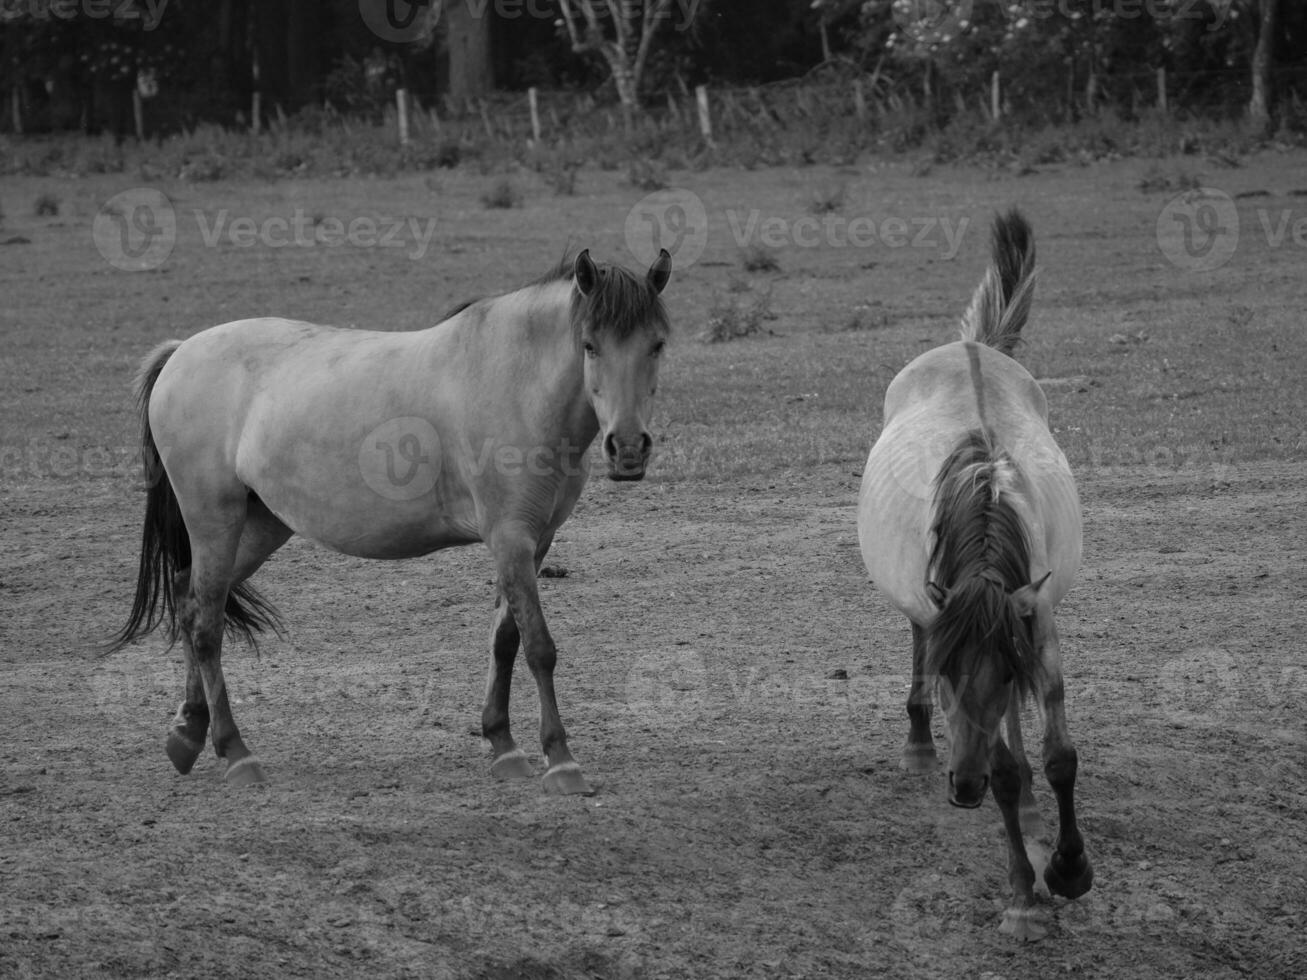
{"x":894,"y":522}
{"x":370,"y":512}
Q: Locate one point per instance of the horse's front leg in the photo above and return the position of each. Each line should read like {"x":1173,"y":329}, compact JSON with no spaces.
{"x":510,"y":762}
{"x":1031,"y":822}
{"x":1069,"y":872}
{"x":1022,"y":919}
{"x":515,"y":550}
{"x":919,"y":750}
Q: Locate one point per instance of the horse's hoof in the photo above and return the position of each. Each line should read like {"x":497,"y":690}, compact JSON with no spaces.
{"x":1027,"y":925}
{"x":1069,"y":882}
{"x":919,"y":759}
{"x":182,"y":751}
{"x":512,"y":765}
{"x":565,"y":779}
{"x":245,"y":772}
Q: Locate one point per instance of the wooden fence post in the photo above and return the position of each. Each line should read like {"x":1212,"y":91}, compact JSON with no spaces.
{"x":138,"y":113}
{"x":705,"y":119}
{"x":533,"y":100}
{"x":401,"y":110}
{"x":995,"y":101}
{"x":1161,"y":89}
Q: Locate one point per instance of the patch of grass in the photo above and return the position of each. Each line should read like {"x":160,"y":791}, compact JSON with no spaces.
{"x":1157,"y":180}
{"x":204,"y":168}
{"x":736,"y":318}
{"x":46,"y":206}
{"x":827,"y":200}
{"x":647,"y":175}
{"x":758,"y":258}
{"x":866,"y":317}
{"x":562,"y":179}
{"x":502,"y":194}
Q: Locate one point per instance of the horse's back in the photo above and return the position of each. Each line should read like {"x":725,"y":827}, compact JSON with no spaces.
{"x":930,"y":407}
{"x":336,"y":430}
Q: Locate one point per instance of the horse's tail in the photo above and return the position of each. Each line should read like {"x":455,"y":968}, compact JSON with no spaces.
{"x":166,"y":545}
{"x":980,"y":557}
{"x":1001,"y":303}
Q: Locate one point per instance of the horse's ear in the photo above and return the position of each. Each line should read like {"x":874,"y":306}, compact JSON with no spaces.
{"x":937,"y":595}
{"x":1024,"y":599}
{"x":587,"y":276}
{"x":661,"y":270}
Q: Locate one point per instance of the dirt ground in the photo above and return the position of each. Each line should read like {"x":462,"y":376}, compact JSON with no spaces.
{"x":750,"y":819}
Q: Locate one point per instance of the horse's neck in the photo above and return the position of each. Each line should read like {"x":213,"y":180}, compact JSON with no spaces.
{"x":527,"y":351}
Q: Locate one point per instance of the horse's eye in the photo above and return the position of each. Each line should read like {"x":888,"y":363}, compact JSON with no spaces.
{"x":658,"y":348}
{"x":590,"y":349}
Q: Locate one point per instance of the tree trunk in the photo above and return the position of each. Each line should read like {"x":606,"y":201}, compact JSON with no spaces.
{"x":1259,"y":108}
{"x":468,"y":33}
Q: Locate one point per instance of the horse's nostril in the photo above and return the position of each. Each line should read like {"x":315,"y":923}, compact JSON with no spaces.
{"x":610,"y":445}
{"x":646,"y":443}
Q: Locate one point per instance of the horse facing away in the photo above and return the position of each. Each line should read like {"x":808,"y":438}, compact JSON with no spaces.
{"x":969,"y":523}
{"x":388,"y":445}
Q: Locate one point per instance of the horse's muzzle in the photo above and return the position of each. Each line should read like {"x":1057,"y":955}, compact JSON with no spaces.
{"x":968,"y":792}
{"x":627,"y":460}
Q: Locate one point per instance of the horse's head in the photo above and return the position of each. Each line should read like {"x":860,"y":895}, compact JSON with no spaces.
{"x":981,"y":650}
{"x":623,"y":328}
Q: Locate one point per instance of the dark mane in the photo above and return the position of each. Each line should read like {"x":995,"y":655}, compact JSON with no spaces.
{"x":980,"y":556}
{"x":623,"y":303}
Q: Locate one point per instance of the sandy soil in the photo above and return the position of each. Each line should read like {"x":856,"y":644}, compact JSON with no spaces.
{"x":750,"y":820}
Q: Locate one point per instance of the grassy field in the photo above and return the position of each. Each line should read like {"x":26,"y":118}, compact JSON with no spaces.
{"x":751,"y":820}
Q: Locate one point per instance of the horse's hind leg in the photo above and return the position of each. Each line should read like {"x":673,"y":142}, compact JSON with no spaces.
{"x":919,"y":752}
{"x":225,"y":548}
{"x":261,"y":536}
{"x":190,"y":725}
{"x":1069,"y":872}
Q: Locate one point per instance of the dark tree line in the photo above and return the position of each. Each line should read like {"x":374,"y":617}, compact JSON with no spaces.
{"x":73,"y":64}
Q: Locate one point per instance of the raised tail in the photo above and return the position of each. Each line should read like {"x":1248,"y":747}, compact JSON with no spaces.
{"x":1001,"y":304}
{"x":166,"y":545}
